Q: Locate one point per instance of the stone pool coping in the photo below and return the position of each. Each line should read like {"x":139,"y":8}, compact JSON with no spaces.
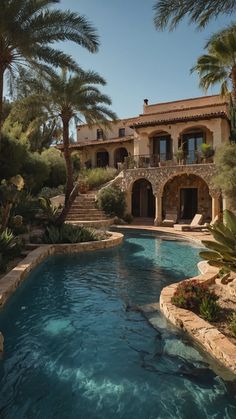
{"x":217,"y":345}
{"x":12,"y":280}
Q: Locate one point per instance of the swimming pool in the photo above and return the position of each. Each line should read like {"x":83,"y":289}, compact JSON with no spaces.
{"x":73,"y":351}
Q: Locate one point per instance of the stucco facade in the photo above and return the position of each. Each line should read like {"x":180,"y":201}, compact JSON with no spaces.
{"x":163,"y":147}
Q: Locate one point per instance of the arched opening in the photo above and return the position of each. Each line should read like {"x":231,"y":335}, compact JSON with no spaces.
{"x":191,"y":141}
{"x":119,"y":155}
{"x":162,"y":146}
{"x":143,"y":200}
{"x":187,"y":195}
{"x":102,"y":158}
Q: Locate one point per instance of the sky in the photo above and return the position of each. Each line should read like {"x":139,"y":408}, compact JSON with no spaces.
{"x":136,"y":60}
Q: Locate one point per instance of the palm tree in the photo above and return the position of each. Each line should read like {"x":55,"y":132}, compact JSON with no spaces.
{"x":28,"y":28}
{"x":219,"y":65}
{"x":72,"y":96}
{"x":168,"y":13}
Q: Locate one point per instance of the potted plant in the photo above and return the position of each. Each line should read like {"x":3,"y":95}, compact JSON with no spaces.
{"x":180,"y":155}
{"x":206,"y":151}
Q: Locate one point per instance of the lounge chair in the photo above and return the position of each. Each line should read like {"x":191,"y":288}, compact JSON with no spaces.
{"x":170,"y":219}
{"x":194,"y":225}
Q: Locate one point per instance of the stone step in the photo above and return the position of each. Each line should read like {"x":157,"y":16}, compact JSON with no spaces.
{"x":86,"y":210}
{"x":84,"y":206}
{"x":72,"y":217}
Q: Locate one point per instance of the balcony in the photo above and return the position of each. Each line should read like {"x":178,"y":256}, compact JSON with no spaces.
{"x":162,"y":160}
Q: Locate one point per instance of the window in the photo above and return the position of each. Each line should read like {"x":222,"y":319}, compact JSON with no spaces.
{"x":192,"y":144}
{"x":121,"y":132}
{"x":99,"y":134}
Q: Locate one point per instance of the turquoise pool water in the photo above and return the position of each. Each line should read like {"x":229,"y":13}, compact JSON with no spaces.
{"x":73,"y":351}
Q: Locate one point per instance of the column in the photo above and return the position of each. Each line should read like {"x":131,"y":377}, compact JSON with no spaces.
{"x":158,"y":210}
{"x":111,"y":159}
{"x":215,"y":206}
{"x":128,"y":201}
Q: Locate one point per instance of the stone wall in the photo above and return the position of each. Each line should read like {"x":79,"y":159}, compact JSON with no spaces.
{"x":171,"y":195}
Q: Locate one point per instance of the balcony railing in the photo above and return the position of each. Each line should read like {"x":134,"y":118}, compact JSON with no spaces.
{"x":161,"y":160}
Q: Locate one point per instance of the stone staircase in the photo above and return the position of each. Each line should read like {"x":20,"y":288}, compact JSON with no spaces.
{"x":84,"y":212}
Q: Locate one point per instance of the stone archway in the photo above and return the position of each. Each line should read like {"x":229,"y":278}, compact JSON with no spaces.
{"x":187,"y":194}
{"x":102,"y":158}
{"x":119,"y":155}
{"x":143,"y":200}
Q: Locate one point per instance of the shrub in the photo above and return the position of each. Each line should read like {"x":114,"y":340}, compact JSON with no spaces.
{"x":209,"y":309}
{"x":10,"y":247}
{"x":57,"y":167}
{"x":97,"y":177}
{"x":27,"y":207}
{"x":12,"y":157}
{"x":48,"y":212}
{"x":112,"y":201}
{"x":36,"y":172}
{"x":225,"y":179}
{"x":206,"y":150}
{"x":190,"y":295}
{"x":68,"y":233}
{"x":128,"y":218}
{"x":232,"y":324}
{"x":75,"y":157}
{"x":51,"y":192}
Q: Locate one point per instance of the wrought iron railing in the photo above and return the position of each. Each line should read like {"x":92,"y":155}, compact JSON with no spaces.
{"x":162,"y":160}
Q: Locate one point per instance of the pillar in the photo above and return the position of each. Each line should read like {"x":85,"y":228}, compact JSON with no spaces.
{"x":111,"y":159}
{"x":128,"y":202}
{"x":158,"y":210}
{"x":215,"y":205}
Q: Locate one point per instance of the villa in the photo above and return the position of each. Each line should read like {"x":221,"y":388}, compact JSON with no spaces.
{"x":160,"y":154}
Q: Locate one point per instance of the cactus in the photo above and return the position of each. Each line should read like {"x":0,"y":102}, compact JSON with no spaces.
{"x":222,"y":251}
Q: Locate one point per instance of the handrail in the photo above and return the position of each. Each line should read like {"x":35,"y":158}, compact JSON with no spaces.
{"x":160,"y":160}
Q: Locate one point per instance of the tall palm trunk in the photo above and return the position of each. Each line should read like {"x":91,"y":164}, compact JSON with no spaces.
{"x":70,"y":192}
{"x":233,"y":78}
{"x":67,"y":155}
{"x":1,"y":98}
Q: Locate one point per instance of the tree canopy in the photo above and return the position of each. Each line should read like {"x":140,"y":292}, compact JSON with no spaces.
{"x":219,"y":64}
{"x":168,"y":13}
{"x":28,"y":30}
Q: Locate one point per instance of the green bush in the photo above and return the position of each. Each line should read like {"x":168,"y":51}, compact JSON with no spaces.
{"x":191,"y":294}
{"x":209,"y":309}
{"x":36,"y":172}
{"x":206,"y":150}
{"x":48,"y":212}
{"x":68,"y":233}
{"x":27,"y":207}
{"x":10,"y":247}
{"x":128,"y":218}
{"x":112,"y":201}
{"x":232,"y":324}
{"x":57,"y":167}
{"x":97,"y":177}
{"x":75,"y":157}
{"x":51,"y":192}
{"x":12,"y":157}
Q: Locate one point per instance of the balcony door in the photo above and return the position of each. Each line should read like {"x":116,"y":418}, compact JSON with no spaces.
{"x":191,"y":145}
{"x":162,"y":147}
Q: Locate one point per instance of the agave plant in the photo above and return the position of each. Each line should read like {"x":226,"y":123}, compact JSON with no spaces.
{"x":49,"y":212}
{"x":222,"y":251}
